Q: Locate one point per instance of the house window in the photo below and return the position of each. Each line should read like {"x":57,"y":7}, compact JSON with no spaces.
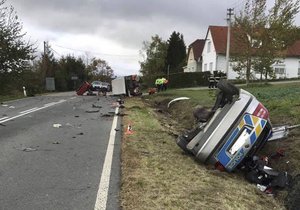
{"x":279,"y":70}
{"x":205,"y":67}
{"x":211,"y":66}
{"x":208,"y":46}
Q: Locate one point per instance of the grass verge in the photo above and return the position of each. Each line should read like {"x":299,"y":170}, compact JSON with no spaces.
{"x":156,"y":174}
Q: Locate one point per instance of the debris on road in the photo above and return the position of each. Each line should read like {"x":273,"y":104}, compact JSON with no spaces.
{"x":57,"y":125}
{"x":106,"y":115}
{"x":55,"y":142}
{"x":26,"y":149}
{"x":69,"y":125}
{"x":80,"y":134}
{"x":96,"y":106}
{"x":92,"y":111}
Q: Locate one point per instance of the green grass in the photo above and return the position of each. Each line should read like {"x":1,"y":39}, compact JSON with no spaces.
{"x":157,"y":174}
{"x":4,"y":98}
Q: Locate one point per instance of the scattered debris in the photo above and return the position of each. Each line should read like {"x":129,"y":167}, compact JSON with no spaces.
{"x":267,"y":179}
{"x":57,"y":125}
{"x":69,"y":125}
{"x":177,"y":99}
{"x":107,"y":115}
{"x":26,"y":149}
{"x":80,"y":134}
{"x":117,"y":129}
{"x":55,"y":142}
{"x":92,"y":111}
{"x":121,"y":106}
{"x":151,"y":91}
{"x":121,"y":114}
{"x":96,"y":106}
{"x":120,"y":101}
{"x":76,"y":116}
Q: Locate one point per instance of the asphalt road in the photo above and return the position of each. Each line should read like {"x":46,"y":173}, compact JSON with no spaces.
{"x":45,"y":167}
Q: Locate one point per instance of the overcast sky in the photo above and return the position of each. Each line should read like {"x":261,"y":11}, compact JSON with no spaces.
{"x":114,"y":30}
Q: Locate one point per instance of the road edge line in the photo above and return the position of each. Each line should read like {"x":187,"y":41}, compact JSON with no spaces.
{"x":102,"y":194}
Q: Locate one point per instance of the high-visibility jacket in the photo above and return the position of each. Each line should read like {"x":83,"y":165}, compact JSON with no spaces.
{"x":157,"y":81}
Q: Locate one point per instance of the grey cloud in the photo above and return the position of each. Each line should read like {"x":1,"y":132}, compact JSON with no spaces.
{"x":128,"y":21}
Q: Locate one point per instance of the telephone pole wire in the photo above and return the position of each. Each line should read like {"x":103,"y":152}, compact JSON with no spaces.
{"x":229,"y":14}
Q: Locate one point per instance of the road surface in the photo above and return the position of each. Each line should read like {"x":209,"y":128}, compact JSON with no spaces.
{"x":59,"y":151}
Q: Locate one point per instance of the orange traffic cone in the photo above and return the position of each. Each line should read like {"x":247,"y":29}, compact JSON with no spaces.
{"x":129,"y":130}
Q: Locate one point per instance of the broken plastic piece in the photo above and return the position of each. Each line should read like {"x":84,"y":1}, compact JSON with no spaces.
{"x":177,"y":99}
{"x":57,"y":125}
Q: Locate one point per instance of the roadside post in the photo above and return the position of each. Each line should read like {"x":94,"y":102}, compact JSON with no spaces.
{"x":24,"y":91}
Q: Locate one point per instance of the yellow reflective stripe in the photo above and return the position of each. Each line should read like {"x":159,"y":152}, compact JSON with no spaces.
{"x":255,"y":120}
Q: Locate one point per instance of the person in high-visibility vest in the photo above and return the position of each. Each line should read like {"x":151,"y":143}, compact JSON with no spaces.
{"x":217,"y":79}
{"x":158,"y":84}
{"x":164,"y":83}
{"x":211,"y":81}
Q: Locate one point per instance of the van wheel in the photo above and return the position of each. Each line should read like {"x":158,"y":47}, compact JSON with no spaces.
{"x":228,"y":88}
{"x":292,"y":201}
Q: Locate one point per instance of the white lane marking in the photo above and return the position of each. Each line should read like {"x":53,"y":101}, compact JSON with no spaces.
{"x":28,"y":110}
{"x":33,"y":110}
{"x":3,"y":118}
{"x":101,"y":199}
{"x":73,"y":97}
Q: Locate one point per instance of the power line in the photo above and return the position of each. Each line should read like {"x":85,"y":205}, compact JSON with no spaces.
{"x":98,"y":53}
{"x":55,"y":51}
{"x":237,"y":5}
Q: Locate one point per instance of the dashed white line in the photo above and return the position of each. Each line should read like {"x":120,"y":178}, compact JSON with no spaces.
{"x":31,"y":110}
{"x":28,"y":110}
{"x":101,"y":199}
{"x":3,"y":118}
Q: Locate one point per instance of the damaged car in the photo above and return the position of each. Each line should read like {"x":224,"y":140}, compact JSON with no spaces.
{"x":235,"y":128}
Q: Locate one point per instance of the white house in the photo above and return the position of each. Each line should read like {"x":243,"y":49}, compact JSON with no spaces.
{"x":214,"y":55}
{"x":194,"y":62}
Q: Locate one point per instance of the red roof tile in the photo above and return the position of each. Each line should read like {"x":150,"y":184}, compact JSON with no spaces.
{"x":294,"y":50}
{"x":197,"y":47}
{"x":219,"y":36}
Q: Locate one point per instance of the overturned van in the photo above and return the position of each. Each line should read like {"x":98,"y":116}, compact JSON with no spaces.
{"x":236,"y":128}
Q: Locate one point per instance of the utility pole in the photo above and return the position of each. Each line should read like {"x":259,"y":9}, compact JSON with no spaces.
{"x":46,"y":50}
{"x":229,"y":14}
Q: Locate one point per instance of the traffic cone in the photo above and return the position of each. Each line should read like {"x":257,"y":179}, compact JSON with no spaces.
{"x":129,"y":130}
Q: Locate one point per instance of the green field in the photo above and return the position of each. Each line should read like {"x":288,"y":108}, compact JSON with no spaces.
{"x":157,"y":174}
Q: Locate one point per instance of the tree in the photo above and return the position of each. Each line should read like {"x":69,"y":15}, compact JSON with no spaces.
{"x":176,"y":53}
{"x":67,"y":68}
{"x":263,"y":36}
{"x":154,"y":54}
{"x":15,"y":53}
{"x":100,"y":70}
